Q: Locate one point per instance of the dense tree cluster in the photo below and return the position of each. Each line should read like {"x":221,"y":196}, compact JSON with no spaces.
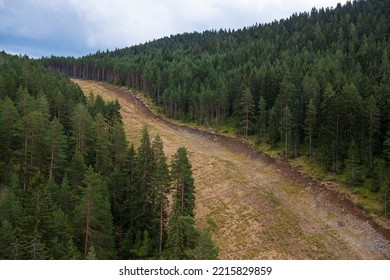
{"x":71,"y":187}
{"x":316,"y":84}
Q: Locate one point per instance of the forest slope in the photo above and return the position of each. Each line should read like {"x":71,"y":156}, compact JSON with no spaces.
{"x":261,"y":207}
{"x":313,"y":87}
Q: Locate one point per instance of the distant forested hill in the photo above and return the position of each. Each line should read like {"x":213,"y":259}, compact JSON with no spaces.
{"x":316,"y":84}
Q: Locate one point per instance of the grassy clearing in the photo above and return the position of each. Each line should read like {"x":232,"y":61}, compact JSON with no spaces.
{"x":284,"y":226}
{"x":317,"y":249}
{"x":364,"y":197}
{"x":273,"y":199}
{"x":255,"y":210}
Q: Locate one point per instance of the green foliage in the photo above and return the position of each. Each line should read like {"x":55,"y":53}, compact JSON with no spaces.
{"x":119,"y":145}
{"x":162,"y":188}
{"x":142,"y":195}
{"x":352,"y":169}
{"x":315,"y":82}
{"x":56,"y":141}
{"x":7,"y":239}
{"x":285,"y":126}
{"x":10,"y":206}
{"x":103,"y":163}
{"x":93,"y":217}
{"x":329,"y":67}
{"x":181,"y":237}
{"x":205,"y":248}
{"x":387,"y":144}
{"x":378,"y":175}
{"x":247,"y":111}
{"x":9,"y":121}
{"x":76,"y":169}
{"x":82,"y":133}
{"x":373,"y":129}
{"x":143,"y":247}
{"x":262,"y":118}
{"x":183,"y":183}
{"x":310,"y":125}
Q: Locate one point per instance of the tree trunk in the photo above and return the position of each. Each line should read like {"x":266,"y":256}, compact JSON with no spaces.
{"x":87,"y":229}
{"x":51,"y":163}
{"x":161,"y":230}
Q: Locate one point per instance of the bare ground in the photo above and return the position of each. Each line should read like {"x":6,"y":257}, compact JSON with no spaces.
{"x":263,"y":208}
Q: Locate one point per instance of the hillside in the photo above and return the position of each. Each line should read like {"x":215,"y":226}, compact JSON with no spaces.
{"x":261,"y":206}
{"x":71,"y":186}
{"x":315,"y":87}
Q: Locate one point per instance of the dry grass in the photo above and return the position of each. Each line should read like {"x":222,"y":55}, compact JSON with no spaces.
{"x":258,"y":213}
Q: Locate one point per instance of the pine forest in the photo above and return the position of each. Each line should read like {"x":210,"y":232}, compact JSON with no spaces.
{"x":313,"y":88}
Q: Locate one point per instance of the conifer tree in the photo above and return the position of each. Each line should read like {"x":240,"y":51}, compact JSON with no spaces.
{"x":93,"y":217}
{"x":7,"y":239}
{"x":119,"y":145}
{"x":205,"y":248}
{"x":43,"y":107}
{"x":330,"y":129}
{"x":273,"y":127}
{"x":247,"y":111}
{"x":352,"y":166}
{"x":82,"y":125}
{"x":58,"y":105}
{"x":117,"y":187}
{"x":182,"y":237}
{"x":34,"y":246}
{"x":128,"y":209}
{"x":10,"y":207}
{"x":286,"y":128}
{"x":25,"y":102}
{"x":76,"y":169}
{"x":183,"y":183}
{"x":387,"y":144}
{"x":9,"y":120}
{"x":161,"y":187}
{"x":56,"y":142}
{"x":310,"y":122}
{"x":143,"y":246}
{"x":112,"y":114}
{"x":142,"y":195}
{"x":373,"y":129}
{"x":385,"y":193}
{"x":39,"y":229}
{"x":33,"y":146}
{"x":102,"y":146}
{"x":262,"y":117}
{"x":67,"y":196}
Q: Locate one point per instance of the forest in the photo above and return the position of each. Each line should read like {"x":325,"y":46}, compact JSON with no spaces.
{"x":72,"y":187}
{"x":315,"y":85}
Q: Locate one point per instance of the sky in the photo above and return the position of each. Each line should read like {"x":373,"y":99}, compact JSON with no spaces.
{"x":80,"y":27}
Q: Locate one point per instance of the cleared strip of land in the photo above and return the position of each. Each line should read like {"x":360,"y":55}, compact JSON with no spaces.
{"x":262,"y":208}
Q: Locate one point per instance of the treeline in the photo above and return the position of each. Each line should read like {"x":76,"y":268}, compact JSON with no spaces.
{"x":316,"y":84}
{"x":71,"y":187}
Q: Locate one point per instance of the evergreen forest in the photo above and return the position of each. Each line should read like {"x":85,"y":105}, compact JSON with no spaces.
{"x":315,"y":85}
{"x":72,"y":187}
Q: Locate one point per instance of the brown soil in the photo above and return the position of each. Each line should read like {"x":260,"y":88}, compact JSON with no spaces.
{"x":263,"y":207}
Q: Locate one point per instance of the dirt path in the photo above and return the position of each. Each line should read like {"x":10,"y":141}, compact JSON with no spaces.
{"x":262,"y":207}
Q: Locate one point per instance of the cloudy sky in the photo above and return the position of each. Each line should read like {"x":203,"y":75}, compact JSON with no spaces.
{"x":79,"y":27}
